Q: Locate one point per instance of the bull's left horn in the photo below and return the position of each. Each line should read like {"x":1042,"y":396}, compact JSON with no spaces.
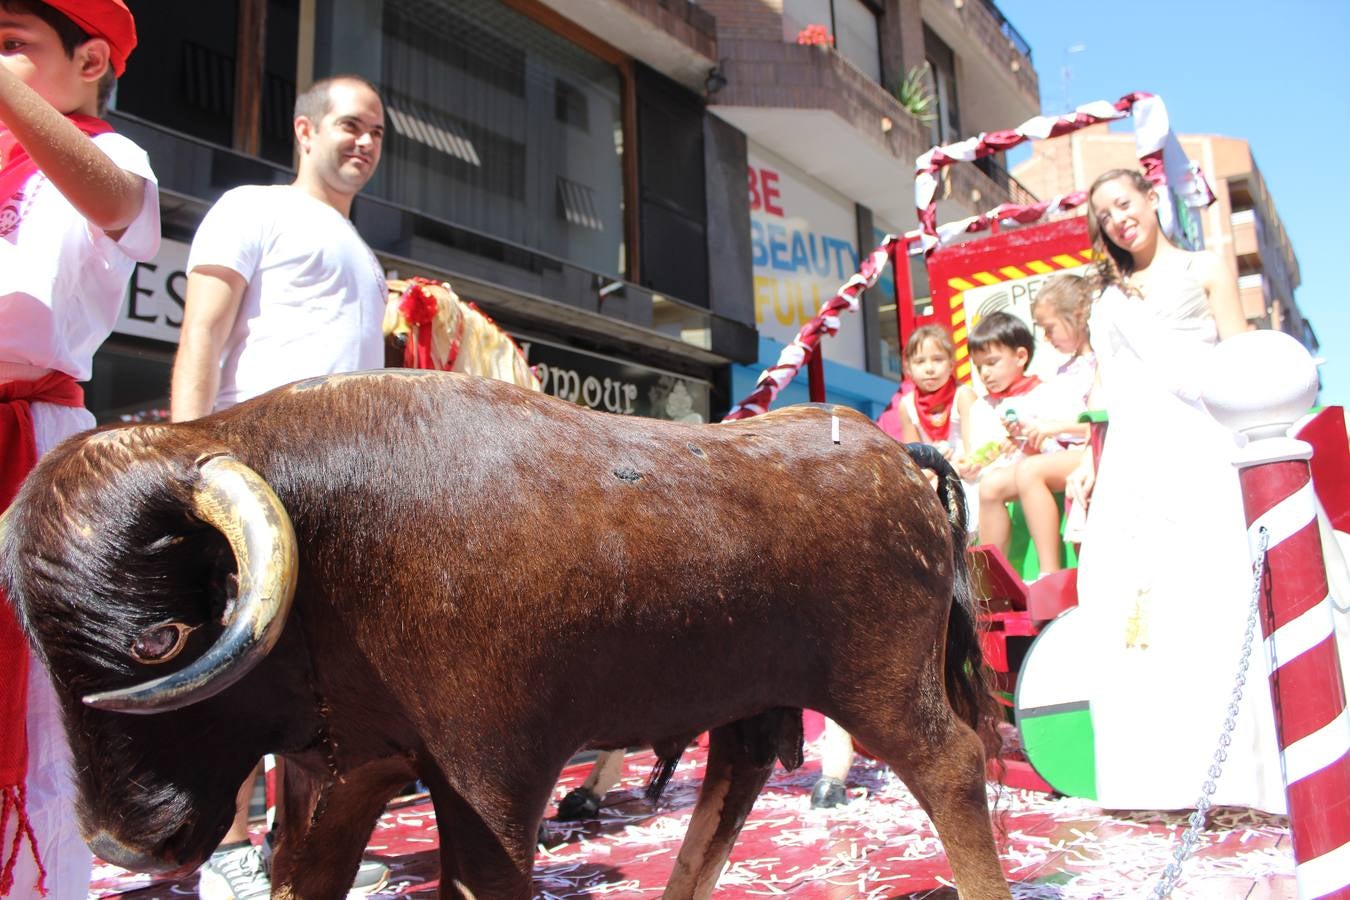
{"x":236,"y":501}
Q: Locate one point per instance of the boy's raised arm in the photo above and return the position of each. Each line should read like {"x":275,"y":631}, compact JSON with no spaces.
{"x":104,"y":193}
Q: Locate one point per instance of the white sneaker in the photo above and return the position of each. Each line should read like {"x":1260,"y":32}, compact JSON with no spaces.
{"x":371,"y":875}
{"x":234,"y":874}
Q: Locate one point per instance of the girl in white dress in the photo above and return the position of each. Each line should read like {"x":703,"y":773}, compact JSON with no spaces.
{"x":1165,"y":576}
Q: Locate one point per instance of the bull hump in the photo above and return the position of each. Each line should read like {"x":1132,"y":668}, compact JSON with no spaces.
{"x":126,"y":440}
{"x":333,"y":381}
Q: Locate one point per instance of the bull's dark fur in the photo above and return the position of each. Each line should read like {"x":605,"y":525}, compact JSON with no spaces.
{"x":489,"y":580}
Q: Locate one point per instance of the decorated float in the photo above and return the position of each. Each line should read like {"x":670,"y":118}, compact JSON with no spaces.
{"x":1055,"y":841}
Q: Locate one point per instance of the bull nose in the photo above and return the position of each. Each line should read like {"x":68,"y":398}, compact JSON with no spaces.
{"x":110,"y":848}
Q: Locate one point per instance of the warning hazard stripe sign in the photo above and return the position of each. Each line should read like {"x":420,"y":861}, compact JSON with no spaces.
{"x":959,"y":286}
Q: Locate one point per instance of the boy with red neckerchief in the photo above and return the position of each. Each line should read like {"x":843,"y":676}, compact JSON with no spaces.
{"x":1001,"y":346}
{"x":79,"y":206}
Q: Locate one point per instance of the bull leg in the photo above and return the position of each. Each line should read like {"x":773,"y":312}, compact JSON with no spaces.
{"x":325,"y":825}
{"x":488,"y":854}
{"x":740,"y":760}
{"x":942,"y":763}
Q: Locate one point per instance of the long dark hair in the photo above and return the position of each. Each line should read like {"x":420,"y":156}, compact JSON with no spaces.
{"x":1114,"y":263}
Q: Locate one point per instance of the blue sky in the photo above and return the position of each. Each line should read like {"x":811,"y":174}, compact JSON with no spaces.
{"x":1276,"y":74}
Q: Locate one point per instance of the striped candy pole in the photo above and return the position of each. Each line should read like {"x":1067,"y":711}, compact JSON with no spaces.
{"x":1312,"y":723}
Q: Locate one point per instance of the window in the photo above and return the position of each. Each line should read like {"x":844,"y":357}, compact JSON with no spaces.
{"x":888,"y":325}
{"x":183,"y":74}
{"x":852,"y":22}
{"x":495,"y":123}
{"x":855,"y":36}
{"x":942,"y":64}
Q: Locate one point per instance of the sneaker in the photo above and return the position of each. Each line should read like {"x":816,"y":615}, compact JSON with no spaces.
{"x":371,"y":875}
{"x":236,"y":872}
{"x":828,"y":793}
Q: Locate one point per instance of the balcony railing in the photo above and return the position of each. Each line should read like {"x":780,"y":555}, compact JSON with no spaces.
{"x":1009,"y":32}
{"x":1017,"y":191}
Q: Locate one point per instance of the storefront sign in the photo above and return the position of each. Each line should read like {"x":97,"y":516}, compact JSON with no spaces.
{"x":153,"y":307}
{"x":804,"y":248}
{"x":612,"y":385}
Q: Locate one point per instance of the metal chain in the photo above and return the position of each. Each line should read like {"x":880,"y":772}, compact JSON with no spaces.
{"x":1191,"y":836}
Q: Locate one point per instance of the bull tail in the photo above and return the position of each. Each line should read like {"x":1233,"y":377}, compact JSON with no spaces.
{"x":662,"y":770}
{"x":967,"y":677}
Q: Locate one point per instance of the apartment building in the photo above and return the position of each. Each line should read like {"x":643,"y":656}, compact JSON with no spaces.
{"x":1242,"y":225}
{"x":831,"y":151}
{"x":577,"y":168}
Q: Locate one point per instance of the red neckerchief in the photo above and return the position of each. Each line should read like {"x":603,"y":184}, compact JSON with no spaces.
{"x":935,"y":412}
{"x":18,"y":455}
{"x":18,"y":167}
{"x":1017,"y":388}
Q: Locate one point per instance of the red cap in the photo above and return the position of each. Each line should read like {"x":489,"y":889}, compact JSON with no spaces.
{"x":107,"y":19}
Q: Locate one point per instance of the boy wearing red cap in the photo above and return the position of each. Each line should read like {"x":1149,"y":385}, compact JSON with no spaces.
{"x":78,"y":208}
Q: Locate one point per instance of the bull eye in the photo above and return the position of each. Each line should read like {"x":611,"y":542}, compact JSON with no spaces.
{"x":160,"y":643}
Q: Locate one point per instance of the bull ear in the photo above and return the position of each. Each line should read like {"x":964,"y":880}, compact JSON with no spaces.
{"x":4,"y":536}
{"x":236,"y":501}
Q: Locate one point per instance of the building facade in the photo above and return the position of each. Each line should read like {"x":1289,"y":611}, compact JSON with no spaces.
{"x":1242,"y":226}
{"x":830,"y":152}
{"x":577,"y":168}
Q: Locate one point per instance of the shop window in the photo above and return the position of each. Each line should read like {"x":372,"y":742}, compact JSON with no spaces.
{"x":852,"y":22}
{"x":130,"y":381}
{"x":888,"y":326}
{"x":496,"y":123}
{"x":672,"y":202}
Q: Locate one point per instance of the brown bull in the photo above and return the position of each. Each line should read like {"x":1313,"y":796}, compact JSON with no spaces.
{"x":442,"y":535}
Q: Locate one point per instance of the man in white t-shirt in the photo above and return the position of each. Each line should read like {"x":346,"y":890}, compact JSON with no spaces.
{"x":79,"y":206}
{"x":281,"y":287}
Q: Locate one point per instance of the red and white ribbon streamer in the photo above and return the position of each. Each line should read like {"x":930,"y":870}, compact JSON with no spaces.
{"x":1021,"y":213}
{"x":1306,"y":684}
{"x":807,"y":341}
{"x":1160,"y":154}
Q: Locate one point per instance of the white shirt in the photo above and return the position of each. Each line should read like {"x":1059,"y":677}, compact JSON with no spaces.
{"x":315,"y":297}
{"x":63,"y":281}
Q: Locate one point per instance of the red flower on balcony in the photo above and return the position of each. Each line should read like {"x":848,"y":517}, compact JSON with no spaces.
{"x":815,"y":36}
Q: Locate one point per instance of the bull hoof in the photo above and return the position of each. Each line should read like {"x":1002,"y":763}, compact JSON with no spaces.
{"x":579,"y":804}
{"x":828,"y":793}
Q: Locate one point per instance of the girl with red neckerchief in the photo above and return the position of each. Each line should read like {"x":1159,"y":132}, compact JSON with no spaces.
{"x":934,"y":409}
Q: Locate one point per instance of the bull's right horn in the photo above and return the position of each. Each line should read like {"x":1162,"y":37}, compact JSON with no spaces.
{"x":237,"y":502}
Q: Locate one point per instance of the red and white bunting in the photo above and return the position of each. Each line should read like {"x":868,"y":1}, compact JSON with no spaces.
{"x":1159,"y":154}
{"x":807,"y":341}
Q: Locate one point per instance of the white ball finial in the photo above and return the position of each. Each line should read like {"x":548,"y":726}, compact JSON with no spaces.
{"x":1260,"y":383}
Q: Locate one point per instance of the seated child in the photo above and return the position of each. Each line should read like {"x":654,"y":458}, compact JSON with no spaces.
{"x":1061,"y":311}
{"x":1001,"y":347}
{"x":933,"y":411}
{"x":1040,"y":421}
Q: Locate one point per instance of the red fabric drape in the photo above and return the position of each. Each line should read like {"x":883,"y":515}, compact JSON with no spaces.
{"x":1018,"y":388}
{"x":935,"y":412}
{"x":18,"y":455}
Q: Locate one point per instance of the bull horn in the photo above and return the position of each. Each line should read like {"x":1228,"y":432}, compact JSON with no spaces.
{"x":236,"y":501}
